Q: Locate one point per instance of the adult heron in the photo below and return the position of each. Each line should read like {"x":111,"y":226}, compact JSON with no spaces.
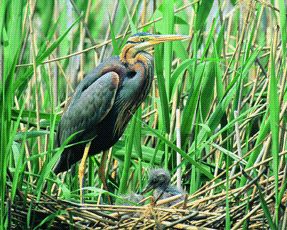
{"x":104,"y":102}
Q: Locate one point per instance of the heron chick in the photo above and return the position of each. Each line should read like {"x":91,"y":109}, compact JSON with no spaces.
{"x":159,"y":181}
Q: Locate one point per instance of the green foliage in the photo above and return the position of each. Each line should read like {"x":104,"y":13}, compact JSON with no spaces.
{"x":230,"y":63}
{"x":202,"y":13}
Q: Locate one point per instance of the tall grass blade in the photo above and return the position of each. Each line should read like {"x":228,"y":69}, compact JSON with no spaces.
{"x":189,"y":110}
{"x":114,"y":41}
{"x":168,"y":20}
{"x":12,"y":37}
{"x":129,"y":145}
{"x":177,"y":74}
{"x":274,"y":121}
{"x":202,"y":13}
{"x":265,"y":208}
{"x":132,"y":25}
{"x":164,"y":105}
{"x":282,"y":7}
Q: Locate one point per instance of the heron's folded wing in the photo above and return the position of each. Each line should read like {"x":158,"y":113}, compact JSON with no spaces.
{"x":88,"y":107}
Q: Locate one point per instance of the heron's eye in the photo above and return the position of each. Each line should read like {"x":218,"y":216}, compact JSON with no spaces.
{"x":143,"y":39}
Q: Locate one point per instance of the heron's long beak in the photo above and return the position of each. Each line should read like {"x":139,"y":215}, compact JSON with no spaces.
{"x":157,"y":39}
{"x":147,"y":188}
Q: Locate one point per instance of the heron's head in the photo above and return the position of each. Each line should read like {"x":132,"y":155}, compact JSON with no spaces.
{"x":158,"y":179}
{"x":142,"y":41}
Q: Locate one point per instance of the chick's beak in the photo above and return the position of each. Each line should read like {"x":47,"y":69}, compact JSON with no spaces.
{"x":147,"y":188}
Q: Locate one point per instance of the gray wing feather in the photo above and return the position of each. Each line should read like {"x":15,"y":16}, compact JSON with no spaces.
{"x":88,"y":106}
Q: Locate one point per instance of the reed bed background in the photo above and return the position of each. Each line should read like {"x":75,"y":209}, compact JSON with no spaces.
{"x":218,"y":101}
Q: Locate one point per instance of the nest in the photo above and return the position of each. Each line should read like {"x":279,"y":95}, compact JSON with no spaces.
{"x":202,"y":210}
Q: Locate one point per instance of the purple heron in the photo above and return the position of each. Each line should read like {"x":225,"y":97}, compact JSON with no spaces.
{"x":105,"y":100}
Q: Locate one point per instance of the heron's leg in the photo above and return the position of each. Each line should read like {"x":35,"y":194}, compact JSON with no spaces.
{"x":82,"y":169}
{"x":102,"y":173}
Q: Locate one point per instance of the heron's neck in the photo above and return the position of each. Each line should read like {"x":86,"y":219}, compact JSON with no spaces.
{"x":127,"y":54}
{"x":132,"y":58}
